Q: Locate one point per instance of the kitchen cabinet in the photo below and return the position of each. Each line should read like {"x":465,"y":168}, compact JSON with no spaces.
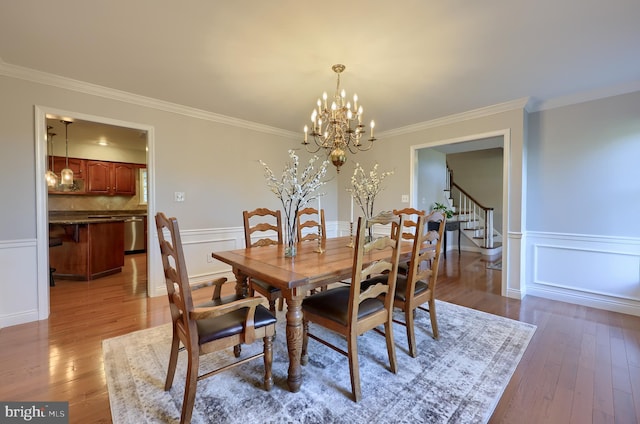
{"x":76,"y":165}
{"x":91,"y":248}
{"x":110,"y":178}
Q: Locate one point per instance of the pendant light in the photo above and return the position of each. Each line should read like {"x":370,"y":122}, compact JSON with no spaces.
{"x":50,"y":176}
{"x":66,"y":175}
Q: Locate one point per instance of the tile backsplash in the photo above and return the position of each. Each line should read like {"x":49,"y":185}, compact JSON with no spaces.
{"x":70,"y":202}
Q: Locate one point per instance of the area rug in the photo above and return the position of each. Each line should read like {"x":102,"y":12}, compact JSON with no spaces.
{"x":456,"y":379}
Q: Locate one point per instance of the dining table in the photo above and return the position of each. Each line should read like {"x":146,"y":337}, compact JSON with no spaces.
{"x":315,"y":265}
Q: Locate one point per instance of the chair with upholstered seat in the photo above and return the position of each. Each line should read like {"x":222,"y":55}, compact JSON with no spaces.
{"x":350,"y":311}
{"x":269,"y":231}
{"x":418,"y":287}
{"x":216,"y":325}
{"x":408,"y":232}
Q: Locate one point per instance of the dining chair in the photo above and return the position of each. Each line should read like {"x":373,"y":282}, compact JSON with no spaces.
{"x":210,"y":327}
{"x":260,"y":222}
{"x":408,"y":232}
{"x":418,"y":287}
{"x":350,"y":311}
{"x":307,"y":227}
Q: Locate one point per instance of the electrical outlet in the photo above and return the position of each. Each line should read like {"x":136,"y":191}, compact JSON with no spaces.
{"x":405,"y":198}
{"x":178,"y":196}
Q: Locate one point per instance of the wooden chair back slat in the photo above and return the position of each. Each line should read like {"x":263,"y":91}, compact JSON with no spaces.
{"x":303,"y":223}
{"x":272,"y":221}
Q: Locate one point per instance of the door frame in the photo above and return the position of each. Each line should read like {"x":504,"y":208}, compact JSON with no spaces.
{"x":42,"y":216}
{"x":506,"y":166}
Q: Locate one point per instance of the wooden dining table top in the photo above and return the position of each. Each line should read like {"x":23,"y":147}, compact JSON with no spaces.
{"x":295,"y":277}
{"x":307,"y":269}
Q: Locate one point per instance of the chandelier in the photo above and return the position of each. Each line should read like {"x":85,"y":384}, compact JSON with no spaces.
{"x":338,"y":128}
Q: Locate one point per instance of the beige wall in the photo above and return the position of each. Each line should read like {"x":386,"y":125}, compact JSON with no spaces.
{"x":215,"y":164}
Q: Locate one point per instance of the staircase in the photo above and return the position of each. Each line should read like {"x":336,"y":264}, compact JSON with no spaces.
{"x":476,"y":220}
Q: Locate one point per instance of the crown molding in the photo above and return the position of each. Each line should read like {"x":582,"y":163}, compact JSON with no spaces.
{"x":527,"y":104}
{"x":516,"y":104}
{"x":53,"y":80}
{"x":587,"y":96}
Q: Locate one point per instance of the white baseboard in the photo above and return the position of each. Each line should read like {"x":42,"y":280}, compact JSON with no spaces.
{"x":590,"y":300}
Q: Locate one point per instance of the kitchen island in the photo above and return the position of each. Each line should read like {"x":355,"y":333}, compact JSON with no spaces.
{"x":91,"y":247}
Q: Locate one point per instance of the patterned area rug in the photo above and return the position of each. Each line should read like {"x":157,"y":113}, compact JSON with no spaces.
{"x":456,"y":379}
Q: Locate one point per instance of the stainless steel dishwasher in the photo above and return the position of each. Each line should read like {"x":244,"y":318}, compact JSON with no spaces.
{"x":134,"y":234}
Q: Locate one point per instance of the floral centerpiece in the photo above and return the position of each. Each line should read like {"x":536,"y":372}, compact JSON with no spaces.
{"x":364,"y":189}
{"x":295,"y":191}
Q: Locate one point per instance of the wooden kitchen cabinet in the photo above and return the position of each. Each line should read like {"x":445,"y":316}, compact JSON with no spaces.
{"x":89,"y":250}
{"x":76,"y":165}
{"x":110,"y":178}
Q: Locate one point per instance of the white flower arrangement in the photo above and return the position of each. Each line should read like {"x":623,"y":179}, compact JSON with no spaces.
{"x":365,"y":188}
{"x":295,"y":191}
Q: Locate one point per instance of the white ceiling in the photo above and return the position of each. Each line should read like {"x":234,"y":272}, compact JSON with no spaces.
{"x":409,"y":61}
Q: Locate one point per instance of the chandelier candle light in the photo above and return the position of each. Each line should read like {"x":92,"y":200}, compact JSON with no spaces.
{"x":337,"y":128}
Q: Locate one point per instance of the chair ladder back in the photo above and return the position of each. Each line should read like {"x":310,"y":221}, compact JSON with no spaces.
{"x":436,"y":216}
{"x":311,"y":224}
{"x":410,"y":222}
{"x":426,"y":250}
{"x":175,"y":271}
{"x":387,"y":267}
{"x":261,"y":227}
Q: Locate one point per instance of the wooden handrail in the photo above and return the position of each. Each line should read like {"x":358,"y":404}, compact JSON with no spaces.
{"x":486,"y":208}
{"x":488,"y":211}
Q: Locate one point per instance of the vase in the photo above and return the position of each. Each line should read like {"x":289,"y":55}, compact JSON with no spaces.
{"x":290,"y":249}
{"x":368,"y":238}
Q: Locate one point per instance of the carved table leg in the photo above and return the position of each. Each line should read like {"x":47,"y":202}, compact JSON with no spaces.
{"x":242,"y":283}
{"x":294,"y":338}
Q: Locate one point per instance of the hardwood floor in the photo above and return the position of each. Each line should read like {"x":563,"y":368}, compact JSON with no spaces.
{"x":582,"y":365}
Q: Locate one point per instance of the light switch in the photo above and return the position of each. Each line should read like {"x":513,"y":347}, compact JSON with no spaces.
{"x":405,"y":198}
{"x":178,"y":196}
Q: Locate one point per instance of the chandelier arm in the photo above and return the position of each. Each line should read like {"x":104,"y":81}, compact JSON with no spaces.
{"x":306,"y":146}
{"x":364,"y":149}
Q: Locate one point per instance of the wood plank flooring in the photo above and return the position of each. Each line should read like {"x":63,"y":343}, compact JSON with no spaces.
{"x":582,"y":365}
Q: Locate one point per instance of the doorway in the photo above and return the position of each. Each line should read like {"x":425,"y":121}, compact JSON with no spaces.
{"x":43,"y":115}
{"x":474,"y":142}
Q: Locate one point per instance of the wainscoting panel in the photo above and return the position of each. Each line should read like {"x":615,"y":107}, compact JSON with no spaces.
{"x":19,"y":282}
{"x":602,"y":272}
{"x":198,"y":246}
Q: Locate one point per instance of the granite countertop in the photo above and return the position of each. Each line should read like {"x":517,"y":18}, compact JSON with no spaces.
{"x":91,"y":217}
{"x":87,"y":220}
